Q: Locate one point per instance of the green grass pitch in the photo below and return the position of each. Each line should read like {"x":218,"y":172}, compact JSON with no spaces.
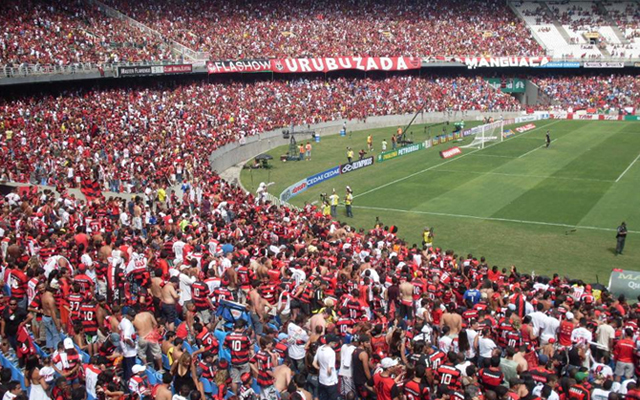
{"x":514,"y":202}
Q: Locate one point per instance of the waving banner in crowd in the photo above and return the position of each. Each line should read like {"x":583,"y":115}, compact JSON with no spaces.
{"x":322,"y":64}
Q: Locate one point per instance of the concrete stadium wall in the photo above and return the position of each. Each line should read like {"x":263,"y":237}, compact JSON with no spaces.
{"x":234,"y":153}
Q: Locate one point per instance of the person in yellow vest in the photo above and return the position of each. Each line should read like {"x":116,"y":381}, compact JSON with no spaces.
{"x":333,"y":200}
{"x":427,"y":237}
{"x":370,"y":143}
{"x":349,"y":154}
{"x":326,"y":208}
{"x":348,"y":200}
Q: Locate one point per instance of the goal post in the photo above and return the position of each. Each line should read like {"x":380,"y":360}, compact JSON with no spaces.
{"x":486,"y":133}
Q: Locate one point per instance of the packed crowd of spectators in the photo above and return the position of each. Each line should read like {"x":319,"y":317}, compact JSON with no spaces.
{"x":70,"y":32}
{"x":127,"y":137}
{"x":329,"y":28}
{"x":140,"y":291}
{"x":598,"y":91}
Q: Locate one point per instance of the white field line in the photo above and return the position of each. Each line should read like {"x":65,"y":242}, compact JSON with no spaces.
{"x":515,"y":221}
{"x":628,"y":168}
{"x":448,"y":161}
{"x":492,"y":155}
{"x":528,"y":176}
{"x":537,"y":148}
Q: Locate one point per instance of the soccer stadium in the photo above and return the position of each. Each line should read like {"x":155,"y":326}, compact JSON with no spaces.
{"x":319,"y":200}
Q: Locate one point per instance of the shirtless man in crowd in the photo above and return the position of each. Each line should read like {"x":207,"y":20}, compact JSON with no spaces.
{"x":406,"y":299}
{"x":453,"y":321}
{"x":148,"y":337}
{"x":170,"y":294}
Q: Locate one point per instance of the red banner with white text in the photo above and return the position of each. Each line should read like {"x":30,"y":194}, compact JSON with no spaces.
{"x":322,"y":64}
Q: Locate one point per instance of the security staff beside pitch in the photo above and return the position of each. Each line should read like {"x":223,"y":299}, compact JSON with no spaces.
{"x":334,"y":199}
{"x":348,"y":200}
{"x":621,"y":236}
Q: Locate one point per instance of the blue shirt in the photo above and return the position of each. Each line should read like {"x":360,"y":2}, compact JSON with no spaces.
{"x":473,"y":295}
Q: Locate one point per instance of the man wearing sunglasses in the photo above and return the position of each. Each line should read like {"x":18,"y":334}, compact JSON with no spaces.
{"x":13,"y":318}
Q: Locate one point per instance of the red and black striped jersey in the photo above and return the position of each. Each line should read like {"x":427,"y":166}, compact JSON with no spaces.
{"x":200,"y":295}
{"x":436,"y":359}
{"x":221,"y":293}
{"x":208,"y":371}
{"x":579,"y":392}
{"x":514,"y":339}
{"x":307,"y":294}
{"x":449,"y":375}
{"x":18,"y":283}
{"x":355,"y":309}
{"x":84,"y":281}
{"x":75,"y":301}
{"x":239,"y":346}
{"x":263,"y":362}
{"x":89,"y":318}
{"x":469,"y":314}
{"x":209,"y":341}
{"x":101,"y":269}
{"x":245,"y":276}
{"x":540,"y":374}
{"x":344,"y":324}
{"x":416,"y":391}
{"x":490,"y":378}
{"x":269,"y":293}
{"x":46,"y":252}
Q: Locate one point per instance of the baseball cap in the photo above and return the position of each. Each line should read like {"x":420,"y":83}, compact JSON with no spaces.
{"x":331,"y":338}
{"x":569,"y":315}
{"x":138,"y":368}
{"x":581,"y":376}
{"x":68,"y":344}
{"x":131,"y":312}
{"x":387,"y":363}
{"x":115,"y":339}
{"x":552,"y":340}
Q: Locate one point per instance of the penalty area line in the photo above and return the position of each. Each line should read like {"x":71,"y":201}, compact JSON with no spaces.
{"x":628,"y":168}
{"x":515,"y":221}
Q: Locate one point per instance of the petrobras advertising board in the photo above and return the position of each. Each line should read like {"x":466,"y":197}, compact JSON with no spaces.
{"x":323,"y":176}
{"x":388,"y":155}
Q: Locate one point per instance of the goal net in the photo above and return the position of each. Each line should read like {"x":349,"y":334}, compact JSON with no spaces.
{"x":487,"y":133}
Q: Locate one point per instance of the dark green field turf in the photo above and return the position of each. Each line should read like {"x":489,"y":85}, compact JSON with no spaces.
{"x":515,"y":202}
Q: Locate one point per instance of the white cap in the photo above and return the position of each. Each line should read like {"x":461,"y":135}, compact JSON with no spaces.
{"x":387,"y":363}
{"x":569,"y":315}
{"x":138,"y":368}
{"x":68,"y":344}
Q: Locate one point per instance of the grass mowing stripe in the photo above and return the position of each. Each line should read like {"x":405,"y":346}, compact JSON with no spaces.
{"x":537,"y":148}
{"x":516,"y":221}
{"x":526,"y":175}
{"x":628,"y":168}
{"x":448,"y":161}
{"x":491,"y":155}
